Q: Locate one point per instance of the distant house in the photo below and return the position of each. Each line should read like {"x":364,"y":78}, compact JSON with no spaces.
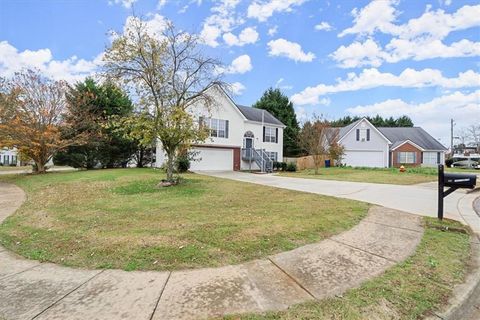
{"x":369,"y":146}
{"x":241,"y":138}
{"x":9,"y":157}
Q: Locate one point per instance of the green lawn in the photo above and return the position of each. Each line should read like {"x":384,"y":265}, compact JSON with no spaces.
{"x":409,"y":290}
{"x":375,"y":175}
{"x":119,"y":219}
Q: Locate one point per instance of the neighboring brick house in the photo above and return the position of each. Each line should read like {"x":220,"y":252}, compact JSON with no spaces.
{"x":368,"y":146}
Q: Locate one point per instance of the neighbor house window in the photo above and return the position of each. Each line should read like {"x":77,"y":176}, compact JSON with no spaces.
{"x":431,"y":158}
{"x":270,"y":134}
{"x":406,"y":157}
{"x":363,"y":134}
{"x":272,"y":155}
{"x":218,"y":128}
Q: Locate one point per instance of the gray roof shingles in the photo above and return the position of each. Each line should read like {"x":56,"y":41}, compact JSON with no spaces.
{"x":254,"y":114}
{"x":415,"y":134}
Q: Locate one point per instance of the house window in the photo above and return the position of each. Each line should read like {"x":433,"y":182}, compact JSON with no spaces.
{"x":218,"y":128}
{"x":270,"y":134}
{"x":363,"y":135}
{"x":430,"y":158}
{"x":407,"y":157}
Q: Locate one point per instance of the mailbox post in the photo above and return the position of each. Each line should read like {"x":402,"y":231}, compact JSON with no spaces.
{"x":454,"y":181}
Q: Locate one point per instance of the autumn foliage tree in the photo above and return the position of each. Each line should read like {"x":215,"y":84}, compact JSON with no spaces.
{"x":32,"y":108}
{"x":169,"y":74}
{"x":319,"y":140}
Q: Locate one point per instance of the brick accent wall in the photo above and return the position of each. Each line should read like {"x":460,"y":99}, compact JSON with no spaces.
{"x":407,"y":147}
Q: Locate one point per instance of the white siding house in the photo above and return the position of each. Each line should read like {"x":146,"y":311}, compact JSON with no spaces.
{"x":369,"y":146}
{"x":240,"y":137}
{"x":9,"y":157}
{"x":365,"y":146}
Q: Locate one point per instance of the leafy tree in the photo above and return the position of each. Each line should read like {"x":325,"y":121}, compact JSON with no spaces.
{"x":91,"y":106}
{"x":32,"y":112}
{"x":278,"y":104}
{"x":169,"y":74}
{"x":378,"y":121}
{"x":319,"y":140}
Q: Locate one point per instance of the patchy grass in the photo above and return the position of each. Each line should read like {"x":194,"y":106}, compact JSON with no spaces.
{"x":374,"y":175}
{"x":120,"y":219}
{"x":11,"y":168}
{"x":409,"y":290}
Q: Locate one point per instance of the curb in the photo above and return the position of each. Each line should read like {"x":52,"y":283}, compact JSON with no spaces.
{"x":465,"y":295}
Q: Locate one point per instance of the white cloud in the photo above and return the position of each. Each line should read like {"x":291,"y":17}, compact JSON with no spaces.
{"x":241,"y":64}
{"x":418,"y":39}
{"x":323,"y":26}
{"x":434,"y":116}
{"x":222,"y":20}
{"x":376,"y":16}
{"x":209,"y":35}
{"x":279,"y":85}
{"x":126,"y":3}
{"x":247,"y":36}
{"x":372,"y":78}
{"x":72,"y":69}
{"x":262,"y":10}
{"x":370,"y":53}
{"x":272,"y":31}
{"x":161,"y":4}
{"x":237,"y":88}
{"x":291,"y":50}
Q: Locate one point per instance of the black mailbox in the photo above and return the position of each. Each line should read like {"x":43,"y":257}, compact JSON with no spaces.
{"x":458,"y":180}
{"x":454,"y":181}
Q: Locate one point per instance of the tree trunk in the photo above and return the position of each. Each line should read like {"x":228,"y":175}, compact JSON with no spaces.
{"x":40,"y":166}
{"x":170,"y":168}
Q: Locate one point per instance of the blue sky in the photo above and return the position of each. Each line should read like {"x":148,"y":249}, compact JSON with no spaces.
{"x":335,"y":58}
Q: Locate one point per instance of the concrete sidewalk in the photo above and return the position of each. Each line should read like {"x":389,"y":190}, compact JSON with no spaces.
{"x":417,"y":199}
{"x":29,"y":289}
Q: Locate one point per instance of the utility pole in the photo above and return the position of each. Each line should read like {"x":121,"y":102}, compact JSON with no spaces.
{"x":452,"y":123}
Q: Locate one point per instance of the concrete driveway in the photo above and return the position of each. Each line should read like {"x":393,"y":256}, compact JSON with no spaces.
{"x":417,"y":199}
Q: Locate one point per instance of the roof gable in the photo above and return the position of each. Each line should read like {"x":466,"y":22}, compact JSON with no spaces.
{"x":346,"y":130}
{"x":252,"y":114}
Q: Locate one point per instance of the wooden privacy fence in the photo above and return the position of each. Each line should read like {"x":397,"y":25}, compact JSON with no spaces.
{"x":304,"y":162}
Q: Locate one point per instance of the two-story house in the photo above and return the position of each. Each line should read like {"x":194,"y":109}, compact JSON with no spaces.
{"x":9,"y":157}
{"x":369,"y":146}
{"x":241,"y":138}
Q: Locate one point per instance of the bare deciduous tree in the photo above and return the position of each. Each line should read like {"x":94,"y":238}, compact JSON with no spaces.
{"x":473,"y":132}
{"x":169,"y":74}
{"x":32,"y":108}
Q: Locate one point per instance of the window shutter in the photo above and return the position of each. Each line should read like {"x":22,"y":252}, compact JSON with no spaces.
{"x":226,"y":129}
{"x":263,"y":133}
{"x":368,"y":134}
{"x":358,"y":134}
{"x":399,"y":159}
{"x":200,"y":122}
{"x":414,"y":157}
{"x":438,"y":157}
{"x":276,"y":135}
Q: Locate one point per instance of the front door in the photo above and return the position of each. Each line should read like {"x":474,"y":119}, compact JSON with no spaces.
{"x":248,"y":143}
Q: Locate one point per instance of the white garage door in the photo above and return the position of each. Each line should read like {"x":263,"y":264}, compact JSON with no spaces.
{"x":364,"y":159}
{"x":213,"y":159}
